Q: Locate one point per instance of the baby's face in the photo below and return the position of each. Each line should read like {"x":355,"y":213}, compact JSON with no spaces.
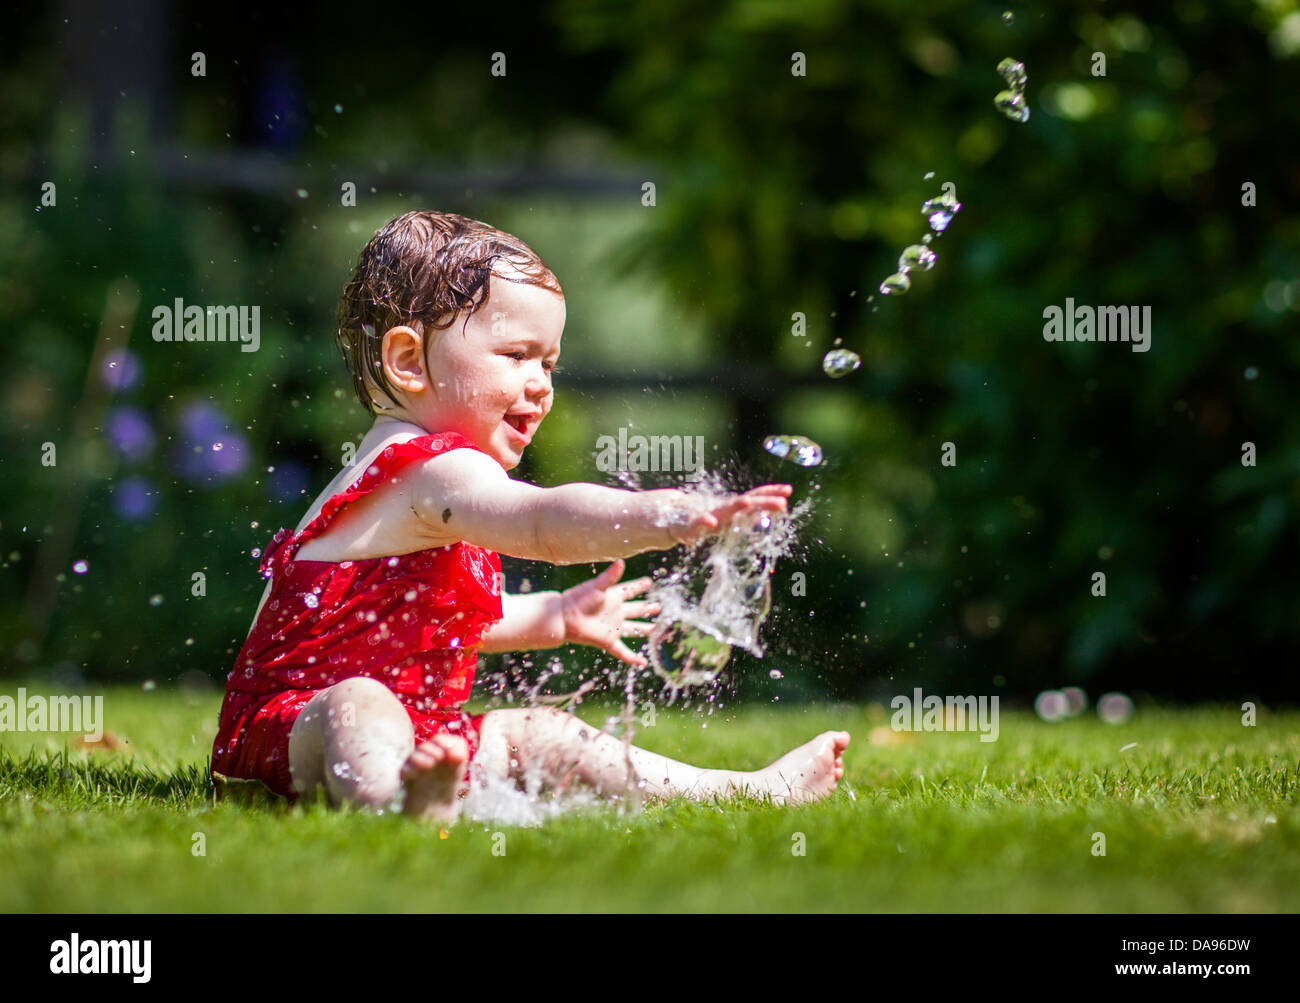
{"x":492,"y":383}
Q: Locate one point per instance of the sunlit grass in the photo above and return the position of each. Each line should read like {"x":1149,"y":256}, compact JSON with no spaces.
{"x":1200,"y":815}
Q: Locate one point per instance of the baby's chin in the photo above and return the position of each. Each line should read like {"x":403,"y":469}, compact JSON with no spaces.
{"x":504,"y":455}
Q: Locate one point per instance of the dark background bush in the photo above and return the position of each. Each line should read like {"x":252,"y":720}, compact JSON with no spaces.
{"x":776,"y":194}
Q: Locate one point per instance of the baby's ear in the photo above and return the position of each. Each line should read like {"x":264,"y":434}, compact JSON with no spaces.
{"x":402,"y":358}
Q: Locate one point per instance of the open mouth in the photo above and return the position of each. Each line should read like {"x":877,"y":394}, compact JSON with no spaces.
{"x":519,"y":423}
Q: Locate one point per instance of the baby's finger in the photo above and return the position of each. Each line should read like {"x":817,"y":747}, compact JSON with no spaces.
{"x":642,"y":608}
{"x":635,"y":588}
{"x":611,"y":574}
{"x":746,"y":503}
{"x":626,"y":654}
{"x":637,"y":628}
{"x":775,"y":503}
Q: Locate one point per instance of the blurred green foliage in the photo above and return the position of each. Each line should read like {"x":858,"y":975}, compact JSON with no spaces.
{"x":776,"y":194}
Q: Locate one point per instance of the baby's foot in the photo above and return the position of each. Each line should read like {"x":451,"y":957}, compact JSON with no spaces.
{"x":432,"y":775}
{"x":807,"y":773}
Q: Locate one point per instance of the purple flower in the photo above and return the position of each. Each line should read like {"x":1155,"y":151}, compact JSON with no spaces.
{"x":134,"y":499}
{"x":210,"y":448}
{"x":201,"y":421}
{"x":128,"y":429}
{"x":121,"y":370}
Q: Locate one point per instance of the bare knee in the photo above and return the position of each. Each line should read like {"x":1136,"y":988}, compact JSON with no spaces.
{"x":353,"y":737}
{"x":361,"y":698}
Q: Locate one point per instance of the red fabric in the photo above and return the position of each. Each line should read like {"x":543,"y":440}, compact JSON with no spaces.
{"x":413,"y":622}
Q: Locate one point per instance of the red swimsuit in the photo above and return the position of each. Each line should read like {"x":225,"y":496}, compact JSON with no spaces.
{"x":413,"y":622}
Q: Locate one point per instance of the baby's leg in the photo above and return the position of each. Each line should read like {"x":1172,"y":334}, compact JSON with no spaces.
{"x":357,"y":740}
{"x":562,"y":747}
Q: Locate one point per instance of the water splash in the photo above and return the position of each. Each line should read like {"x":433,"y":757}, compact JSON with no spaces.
{"x":497,"y":800}
{"x":695,"y":631}
{"x":683,"y":655}
{"x":715,"y":596}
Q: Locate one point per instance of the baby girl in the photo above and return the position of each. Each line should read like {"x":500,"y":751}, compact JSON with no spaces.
{"x":365,"y":642}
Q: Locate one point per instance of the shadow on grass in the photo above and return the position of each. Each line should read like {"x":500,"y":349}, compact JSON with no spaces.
{"x":71,"y":780}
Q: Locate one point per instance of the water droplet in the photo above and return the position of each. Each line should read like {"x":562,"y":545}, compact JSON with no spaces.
{"x":1008,"y":17}
{"x":916,"y":256}
{"x":776,"y":674}
{"x":840,"y":362}
{"x":148,"y":686}
{"x":927,"y":238}
{"x":1251,"y":373}
{"x":81,"y":567}
{"x":796,"y":448}
{"x":338,"y":109}
{"x":311,"y":600}
{"x":1013,"y":72}
{"x":940,"y":211}
{"x":155,"y":600}
{"x":928,"y":175}
{"x":217,"y":447}
{"x":1012,"y":105}
{"x":896,"y":284}
{"x":302,"y":193}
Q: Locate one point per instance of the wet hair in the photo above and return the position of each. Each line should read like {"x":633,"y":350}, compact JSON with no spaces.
{"x":423,"y":269}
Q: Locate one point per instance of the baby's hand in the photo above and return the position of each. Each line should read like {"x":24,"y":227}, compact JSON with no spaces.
{"x":713,"y":517}
{"x":595,"y":613}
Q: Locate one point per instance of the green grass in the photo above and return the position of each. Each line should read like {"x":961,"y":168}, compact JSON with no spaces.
{"x":1200,"y":816}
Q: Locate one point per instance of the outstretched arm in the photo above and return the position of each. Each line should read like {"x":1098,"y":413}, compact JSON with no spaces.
{"x":466,"y":494}
{"x":529,"y":622}
{"x":597,"y":612}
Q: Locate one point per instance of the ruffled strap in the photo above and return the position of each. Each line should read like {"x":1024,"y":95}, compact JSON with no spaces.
{"x":284,"y":545}
{"x":273,"y":551}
